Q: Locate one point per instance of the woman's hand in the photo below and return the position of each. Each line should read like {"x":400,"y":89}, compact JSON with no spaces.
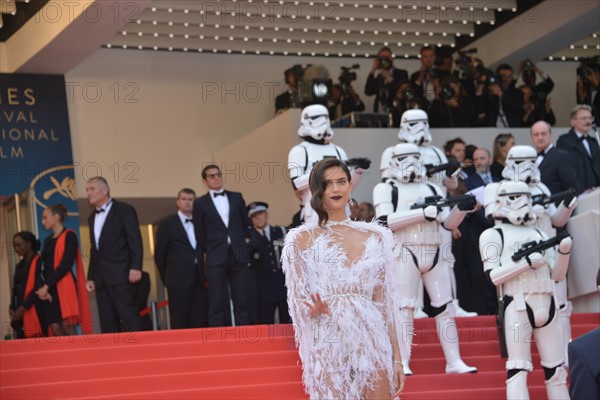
{"x":318,"y":306}
{"x":43,"y":294}
{"x":399,"y":379}
{"x":18,"y":314}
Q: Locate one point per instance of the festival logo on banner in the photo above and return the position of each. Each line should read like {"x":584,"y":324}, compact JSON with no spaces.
{"x":35,"y":151}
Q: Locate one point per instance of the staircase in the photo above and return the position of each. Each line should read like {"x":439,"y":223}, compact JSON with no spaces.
{"x":252,"y":362}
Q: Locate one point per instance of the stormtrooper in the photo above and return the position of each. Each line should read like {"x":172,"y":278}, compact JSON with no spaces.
{"x":316,"y":132}
{"x":526,"y":280}
{"x":414,"y":128}
{"x":520,"y":166}
{"x":415,"y":211}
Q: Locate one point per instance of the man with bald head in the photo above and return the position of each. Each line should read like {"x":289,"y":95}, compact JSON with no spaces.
{"x":482,"y":160}
{"x":557,"y":171}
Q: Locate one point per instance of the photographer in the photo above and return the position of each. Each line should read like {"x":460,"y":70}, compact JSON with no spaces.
{"x":425,"y":82}
{"x":536,"y":104}
{"x":343,"y":102}
{"x":405,"y":99}
{"x":289,"y":98}
{"x":588,"y":82}
{"x":501,"y":105}
{"x":535,"y":109}
{"x":383,"y":80}
{"x":454,"y":108}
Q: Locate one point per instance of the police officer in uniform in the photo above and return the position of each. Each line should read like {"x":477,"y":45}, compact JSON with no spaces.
{"x":265,"y":246}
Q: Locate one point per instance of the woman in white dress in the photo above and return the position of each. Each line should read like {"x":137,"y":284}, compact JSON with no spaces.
{"x":342,"y":292}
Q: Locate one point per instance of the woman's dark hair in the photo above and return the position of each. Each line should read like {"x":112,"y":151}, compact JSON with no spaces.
{"x":59,"y":209}
{"x":29,"y":238}
{"x":317,"y":184}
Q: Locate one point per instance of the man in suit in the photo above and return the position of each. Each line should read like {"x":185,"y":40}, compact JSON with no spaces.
{"x":482,"y":176}
{"x":556,"y":170}
{"x":180,"y":264}
{"x":222,"y":226}
{"x":582,"y":147}
{"x":266,"y":242}
{"x":383,"y":80}
{"x":115,"y":259}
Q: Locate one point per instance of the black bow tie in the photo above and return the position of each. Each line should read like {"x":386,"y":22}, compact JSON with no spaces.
{"x":541,"y":153}
{"x":215,"y":194}
{"x":582,"y":138}
{"x":188,"y":220}
{"x":100,"y":211}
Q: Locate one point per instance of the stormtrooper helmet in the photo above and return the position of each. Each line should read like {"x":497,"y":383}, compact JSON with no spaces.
{"x":414,"y":127}
{"x":314,"y":123}
{"x":520,"y":165}
{"x":513,"y":202}
{"x":406,"y":165}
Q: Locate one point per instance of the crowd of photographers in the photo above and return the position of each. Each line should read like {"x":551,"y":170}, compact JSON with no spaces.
{"x":469,"y":95}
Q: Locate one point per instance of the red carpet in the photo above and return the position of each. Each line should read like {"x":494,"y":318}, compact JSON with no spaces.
{"x":256,"y":362}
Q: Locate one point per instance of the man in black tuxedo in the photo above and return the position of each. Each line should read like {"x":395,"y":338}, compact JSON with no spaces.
{"x":221,"y":222}
{"x":582,"y":147}
{"x":266,"y":242}
{"x":115,"y":259}
{"x":556,"y":170}
{"x":180,"y":264}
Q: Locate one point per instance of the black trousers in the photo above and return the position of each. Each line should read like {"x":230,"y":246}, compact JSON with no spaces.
{"x":117,"y":309}
{"x":186,"y":306}
{"x":267,"y":312}
{"x":221,"y":278}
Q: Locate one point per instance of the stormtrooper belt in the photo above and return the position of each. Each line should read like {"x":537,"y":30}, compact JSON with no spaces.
{"x":518,"y":288}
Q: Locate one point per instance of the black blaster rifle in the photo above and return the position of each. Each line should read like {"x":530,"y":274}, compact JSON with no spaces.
{"x":450,"y":167}
{"x":526,"y":249}
{"x":465,"y":202}
{"x":544,"y":200}
{"x":533,"y":246}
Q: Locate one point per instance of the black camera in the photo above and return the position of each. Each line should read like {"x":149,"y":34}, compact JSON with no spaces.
{"x":384,"y":63}
{"x":348,"y":75}
{"x":448,"y":92}
{"x":409,"y":95}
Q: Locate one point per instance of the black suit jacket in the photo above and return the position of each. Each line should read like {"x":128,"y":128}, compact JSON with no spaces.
{"x":120,"y":246}
{"x":211,"y":232}
{"x":557,"y":172}
{"x":265,"y":258}
{"x":178,"y":263}
{"x":384,"y":93}
{"x":586,"y":168}
{"x":474,"y":181}
{"x":584,"y":366}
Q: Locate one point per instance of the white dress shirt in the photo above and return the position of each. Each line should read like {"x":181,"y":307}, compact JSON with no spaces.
{"x":188,"y":225}
{"x":221,"y":204}
{"x":100,"y":219}
{"x":586,"y":144}
{"x":540,"y":157}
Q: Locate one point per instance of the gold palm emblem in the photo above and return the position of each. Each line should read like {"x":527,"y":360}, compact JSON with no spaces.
{"x":66,"y":188}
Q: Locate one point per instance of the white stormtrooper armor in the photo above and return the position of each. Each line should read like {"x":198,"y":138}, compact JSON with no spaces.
{"x":417,"y":233}
{"x":528,"y":289}
{"x":520,"y":166}
{"x":414,"y":128}
{"x":316,"y":131}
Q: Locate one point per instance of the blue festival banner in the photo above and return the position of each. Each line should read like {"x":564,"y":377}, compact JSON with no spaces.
{"x":36,"y":157}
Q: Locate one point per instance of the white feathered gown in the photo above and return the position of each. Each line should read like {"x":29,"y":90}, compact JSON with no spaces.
{"x":351,"y":265}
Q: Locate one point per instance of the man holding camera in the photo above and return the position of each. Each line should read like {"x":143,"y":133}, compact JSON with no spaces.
{"x":383,"y":80}
{"x":503,"y":104}
{"x":425,"y":81}
{"x":588,"y":85}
